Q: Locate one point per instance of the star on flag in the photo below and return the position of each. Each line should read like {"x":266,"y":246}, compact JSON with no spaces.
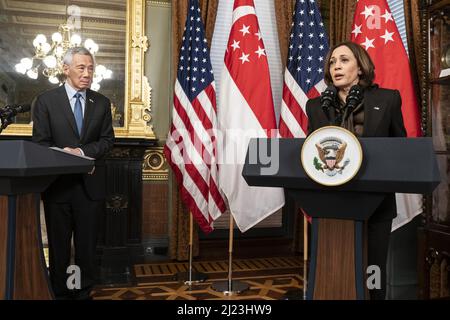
{"x":387,"y":36}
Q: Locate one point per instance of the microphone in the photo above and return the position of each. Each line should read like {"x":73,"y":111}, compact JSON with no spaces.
{"x":15,"y":109}
{"x":10,"y":111}
{"x":355,"y":96}
{"x":327,"y":99}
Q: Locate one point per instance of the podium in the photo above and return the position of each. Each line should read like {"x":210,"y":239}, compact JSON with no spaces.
{"x":337,"y":263}
{"x":27,"y":169}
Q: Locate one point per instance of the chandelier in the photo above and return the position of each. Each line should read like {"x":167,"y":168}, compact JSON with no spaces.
{"x":49,"y":57}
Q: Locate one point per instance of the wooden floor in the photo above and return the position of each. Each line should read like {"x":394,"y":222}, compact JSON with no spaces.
{"x":266,"y":278}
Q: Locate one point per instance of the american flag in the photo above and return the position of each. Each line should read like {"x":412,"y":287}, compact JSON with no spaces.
{"x":190,"y":147}
{"x":304,"y":73}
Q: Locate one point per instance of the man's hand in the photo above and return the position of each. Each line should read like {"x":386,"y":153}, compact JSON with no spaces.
{"x":76,"y":151}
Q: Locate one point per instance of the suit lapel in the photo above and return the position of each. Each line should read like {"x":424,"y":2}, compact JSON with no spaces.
{"x":89,"y":109}
{"x":373,"y":113}
{"x":67,"y":110}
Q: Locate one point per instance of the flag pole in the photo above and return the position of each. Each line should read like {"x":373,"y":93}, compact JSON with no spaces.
{"x":191,"y":277}
{"x":230,"y":255}
{"x":305,"y":255}
{"x":230,"y":287}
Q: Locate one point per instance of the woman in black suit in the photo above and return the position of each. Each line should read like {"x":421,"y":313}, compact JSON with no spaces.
{"x":377,"y":115}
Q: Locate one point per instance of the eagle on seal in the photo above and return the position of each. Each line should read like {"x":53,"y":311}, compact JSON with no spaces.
{"x":331,"y":156}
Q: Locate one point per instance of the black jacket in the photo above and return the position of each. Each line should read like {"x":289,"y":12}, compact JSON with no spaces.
{"x":382,"y":113}
{"x":382,"y":118}
{"x":54,"y":125}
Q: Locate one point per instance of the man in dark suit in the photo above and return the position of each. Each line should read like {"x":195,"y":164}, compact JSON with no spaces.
{"x":77,"y":119}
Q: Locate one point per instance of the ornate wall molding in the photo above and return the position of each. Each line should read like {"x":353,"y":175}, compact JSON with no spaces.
{"x":137,"y":98}
{"x":155,"y":167}
{"x":164,"y":4}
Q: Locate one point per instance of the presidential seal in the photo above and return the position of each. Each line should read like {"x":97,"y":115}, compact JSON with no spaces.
{"x":331,"y":156}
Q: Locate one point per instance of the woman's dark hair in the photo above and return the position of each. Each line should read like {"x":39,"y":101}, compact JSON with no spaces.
{"x":363,"y":60}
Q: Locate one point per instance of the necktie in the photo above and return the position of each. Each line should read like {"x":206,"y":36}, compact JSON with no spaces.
{"x":78,"y":112}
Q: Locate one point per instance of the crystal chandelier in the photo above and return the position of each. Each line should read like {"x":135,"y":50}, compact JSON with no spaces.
{"x":49,"y":57}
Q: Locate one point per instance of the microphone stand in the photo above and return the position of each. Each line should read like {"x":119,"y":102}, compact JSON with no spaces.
{"x":348,"y":111}
{"x":332,"y":116}
{"x":354,"y":98}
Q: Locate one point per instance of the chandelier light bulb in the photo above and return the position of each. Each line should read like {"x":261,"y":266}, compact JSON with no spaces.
{"x":27,"y":63}
{"x":108,"y":74}
{"x":46,"y":48}
{"x":50,"y":61}
{"x":89,"y":44}
{"x":57,"y":37}
{"x":100,"y":70}
{"x":39,"y":40}
{"x":20,"y":68}
{"x":95,"y":86}
{"x":94,"y":48}
{"x":75,"y":40}
{"x":32,"y":73}
{"x":53,"y":80}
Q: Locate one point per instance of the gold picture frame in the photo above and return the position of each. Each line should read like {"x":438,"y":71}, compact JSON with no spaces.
{"x":137,"y":106}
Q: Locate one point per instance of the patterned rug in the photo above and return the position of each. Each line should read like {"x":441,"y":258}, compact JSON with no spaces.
{"x":265,"y":279}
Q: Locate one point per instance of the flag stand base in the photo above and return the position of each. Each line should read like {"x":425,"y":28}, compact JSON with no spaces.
{"x":195,"y":277}
{"x":191,"y":276}
{"x":230,"y":287}
{"x":236,"y":287}
{"x":300,"y":294}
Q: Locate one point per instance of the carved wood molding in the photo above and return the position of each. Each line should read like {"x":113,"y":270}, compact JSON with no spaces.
{"x":155,"y":166}
{"x":138,"y":98}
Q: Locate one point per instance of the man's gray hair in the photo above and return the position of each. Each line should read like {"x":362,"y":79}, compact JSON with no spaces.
{"x":76,"y":50}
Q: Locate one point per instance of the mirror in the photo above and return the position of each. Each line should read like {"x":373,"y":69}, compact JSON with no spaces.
{"x":115,"y":26}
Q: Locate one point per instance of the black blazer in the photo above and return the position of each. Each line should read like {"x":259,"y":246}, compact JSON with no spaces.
{"x":54,"y":125}
{"x":382,"y":118}
{"x":382,"y":113}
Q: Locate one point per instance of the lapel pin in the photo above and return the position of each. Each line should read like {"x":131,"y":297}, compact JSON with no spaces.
{"x":92,"y":101}
{"x":376,"y":108}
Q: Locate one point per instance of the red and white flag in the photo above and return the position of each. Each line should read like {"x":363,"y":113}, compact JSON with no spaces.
{"x":190,"y":147}
{"x":245,"y":111}
{"x":374,"y":28}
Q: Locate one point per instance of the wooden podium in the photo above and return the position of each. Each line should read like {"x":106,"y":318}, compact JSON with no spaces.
{"x":27,"y":169}
{"x":337,"y":263}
